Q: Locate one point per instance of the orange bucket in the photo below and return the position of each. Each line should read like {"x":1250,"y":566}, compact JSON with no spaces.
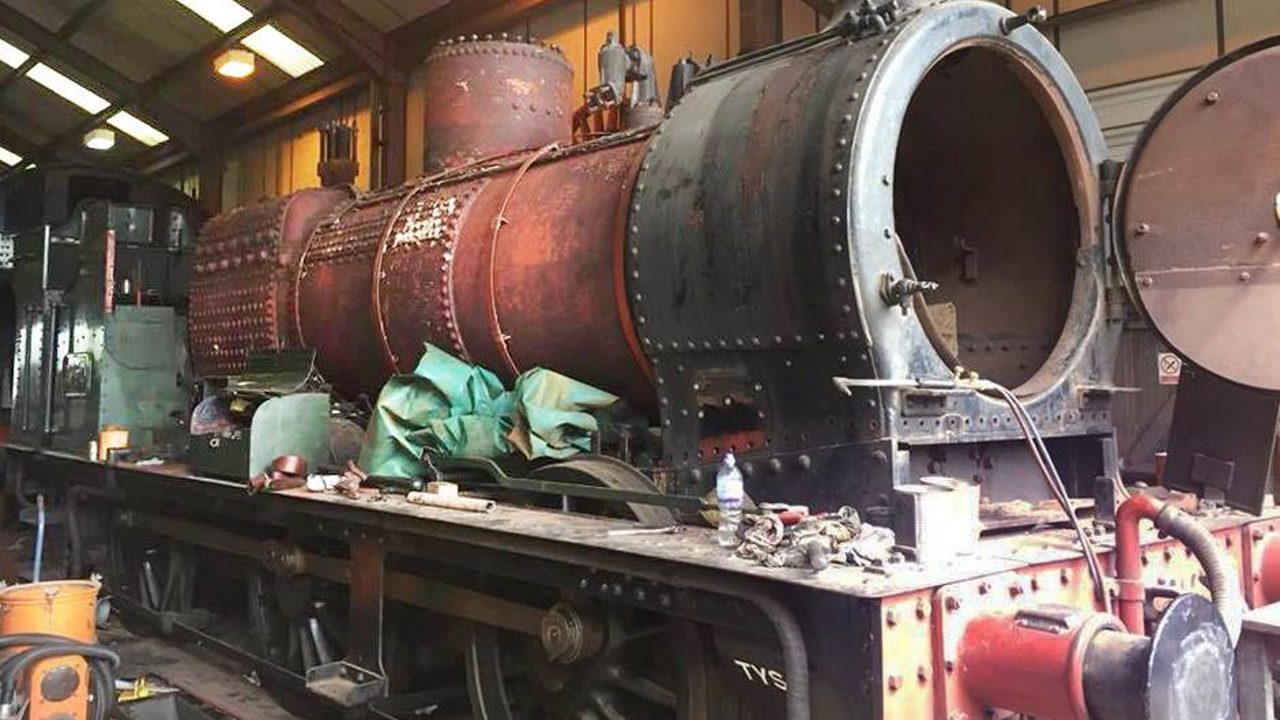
{"x":61,"y":607}
{"x":67,"y":608}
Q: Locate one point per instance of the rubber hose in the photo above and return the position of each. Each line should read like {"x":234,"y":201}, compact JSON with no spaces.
{"x":795,"y":654}
{"x":14,"y":666}
{"x":1218,"y":566}
{"x":104,"y":700}
{"x":38,"y":560}
{"x":34,"y":639}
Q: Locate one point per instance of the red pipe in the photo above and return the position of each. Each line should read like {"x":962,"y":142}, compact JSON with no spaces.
{"x":1132,"y":592}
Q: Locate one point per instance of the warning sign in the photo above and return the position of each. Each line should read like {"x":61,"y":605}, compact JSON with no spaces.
{"x":1169,"y":368}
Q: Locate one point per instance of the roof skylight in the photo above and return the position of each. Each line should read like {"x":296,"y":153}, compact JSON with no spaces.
{"x":137,"y":129}
{"x":68,"y":89}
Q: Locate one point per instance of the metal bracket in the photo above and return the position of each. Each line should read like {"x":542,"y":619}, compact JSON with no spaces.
{"x":461,"y":470}
{"x":359,"y":677}
{"x":346,"y":684}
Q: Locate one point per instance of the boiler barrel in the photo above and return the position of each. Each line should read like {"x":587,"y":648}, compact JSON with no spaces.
{"x":511,"y":267}
{"x":242,"y":286}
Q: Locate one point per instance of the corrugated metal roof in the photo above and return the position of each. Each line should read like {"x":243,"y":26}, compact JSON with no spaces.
{"x":49,"y":13}
{"x":387,"y":15}
{"x":141,"y":39}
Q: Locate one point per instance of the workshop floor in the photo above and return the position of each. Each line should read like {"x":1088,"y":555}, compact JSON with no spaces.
{"x":208,"y":688}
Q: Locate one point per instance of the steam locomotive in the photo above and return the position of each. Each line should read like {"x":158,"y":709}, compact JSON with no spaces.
{"x":890,"y":250}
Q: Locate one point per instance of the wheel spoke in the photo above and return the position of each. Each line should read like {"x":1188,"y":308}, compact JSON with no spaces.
{"x":645,"y":689}
{"x":604,"y":704}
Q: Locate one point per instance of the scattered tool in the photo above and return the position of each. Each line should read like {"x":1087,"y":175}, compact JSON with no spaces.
{"x":452,"y":502}
{"x":140,"y":689}
{"x":287,"y":472}
{"x":669,"y":530}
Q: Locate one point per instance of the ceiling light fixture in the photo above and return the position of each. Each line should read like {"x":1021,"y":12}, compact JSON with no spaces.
{"x":9,"y":157}
{"x":100,"y":139}
{"x":235,"y":63}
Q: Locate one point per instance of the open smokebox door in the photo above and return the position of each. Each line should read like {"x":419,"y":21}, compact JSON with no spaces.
{"x":1197,"y":228}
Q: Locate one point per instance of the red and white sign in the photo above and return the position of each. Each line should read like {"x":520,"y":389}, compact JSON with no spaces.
{"x":1168,"y":368}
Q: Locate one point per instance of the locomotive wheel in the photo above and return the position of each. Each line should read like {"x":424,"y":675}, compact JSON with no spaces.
{"x":645,"y":671}
{"x":612,"y":473}
{"x":289,"y":624}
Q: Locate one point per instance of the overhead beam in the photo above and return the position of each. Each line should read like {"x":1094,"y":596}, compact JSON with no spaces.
{"x":68,"y":29}
{"x":411,"y":44}
{"x":14,"y":141}
{"x":175,"y":123}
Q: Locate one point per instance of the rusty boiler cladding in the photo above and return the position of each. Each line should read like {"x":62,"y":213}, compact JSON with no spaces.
{"x":717,"y":270}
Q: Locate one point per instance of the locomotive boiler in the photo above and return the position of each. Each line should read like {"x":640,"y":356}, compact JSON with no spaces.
{"x":718,"y":270}
{"x":888,"y":253}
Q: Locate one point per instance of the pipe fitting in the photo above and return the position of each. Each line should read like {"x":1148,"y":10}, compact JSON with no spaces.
{"x":1218,"y":567}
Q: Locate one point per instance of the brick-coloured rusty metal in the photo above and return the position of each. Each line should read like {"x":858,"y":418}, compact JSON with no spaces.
{"x":333,"y":289}
{"x":490,"y":97}
{"x":1198,"y":219}
{"x":243,"y":277}
{"x":511,"y":266}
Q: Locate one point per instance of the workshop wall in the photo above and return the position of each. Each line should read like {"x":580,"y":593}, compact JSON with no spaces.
{"x":283,"y":160}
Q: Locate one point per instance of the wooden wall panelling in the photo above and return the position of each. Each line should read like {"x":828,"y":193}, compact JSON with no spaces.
{"x":1247,"y":21}
{"x":1144,"y":41}
{"x":798,"y":19}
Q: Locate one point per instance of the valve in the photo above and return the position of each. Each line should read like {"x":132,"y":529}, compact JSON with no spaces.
{"x":900,"y":291}
{"x":1034,"y":16}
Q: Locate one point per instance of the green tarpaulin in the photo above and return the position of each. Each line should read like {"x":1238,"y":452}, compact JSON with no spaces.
{"x":448,"y":408}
